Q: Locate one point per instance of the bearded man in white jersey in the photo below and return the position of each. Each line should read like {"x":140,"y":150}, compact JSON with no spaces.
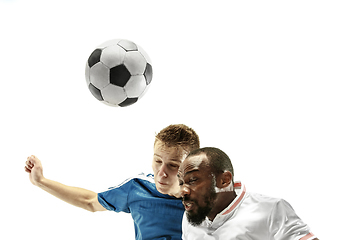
{"x":219,"y":208}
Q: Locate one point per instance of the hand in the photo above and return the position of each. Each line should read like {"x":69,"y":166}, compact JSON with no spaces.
{"x":34,"y":168}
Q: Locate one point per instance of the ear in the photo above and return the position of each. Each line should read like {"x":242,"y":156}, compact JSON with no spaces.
{"x":224,"y":180}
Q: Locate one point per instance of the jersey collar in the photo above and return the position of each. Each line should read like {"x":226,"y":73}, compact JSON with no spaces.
{"x":229,"y":210}
{"x":240,"y":192}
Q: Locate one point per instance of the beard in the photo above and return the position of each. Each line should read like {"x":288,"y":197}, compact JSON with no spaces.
{"x":197,"y":218}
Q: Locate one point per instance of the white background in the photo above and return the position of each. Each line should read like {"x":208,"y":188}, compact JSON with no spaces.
{"x":275,"y":84}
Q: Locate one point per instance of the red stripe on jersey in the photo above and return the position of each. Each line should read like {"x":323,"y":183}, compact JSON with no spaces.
{"x":307,"y":236}
{"x":237,"y":201}
{"x":237,"y":184}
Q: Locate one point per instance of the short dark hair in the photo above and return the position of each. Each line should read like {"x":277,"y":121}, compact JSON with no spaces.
{"x":179,"y":135}
{"x":219,"y":160}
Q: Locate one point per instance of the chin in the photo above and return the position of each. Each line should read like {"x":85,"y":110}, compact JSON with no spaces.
{"x":161,"y":189}
{"x":195,"y":220}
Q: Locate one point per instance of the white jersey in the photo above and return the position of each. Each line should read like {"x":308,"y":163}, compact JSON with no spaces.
{"x":251,"y":217}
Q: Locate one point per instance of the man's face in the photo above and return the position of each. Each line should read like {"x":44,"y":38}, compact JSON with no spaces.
{"x":165,"y":165}
{"x":197,"y":188}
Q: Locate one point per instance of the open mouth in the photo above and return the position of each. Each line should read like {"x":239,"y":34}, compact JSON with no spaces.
{"x":188,"y":205}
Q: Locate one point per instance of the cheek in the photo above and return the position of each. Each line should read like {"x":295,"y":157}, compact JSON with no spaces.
{"x":202,"y":194}
{"x":155,"y":171}
{"x":154,"y":167}
{"x":201,"y":200}
{"x":172,"y":178}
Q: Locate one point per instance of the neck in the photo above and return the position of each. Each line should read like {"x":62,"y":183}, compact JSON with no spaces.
{"x":222,"y":201}
{"x":175,"y":192}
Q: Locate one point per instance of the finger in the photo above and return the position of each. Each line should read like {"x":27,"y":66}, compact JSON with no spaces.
{"x":31,"y":159}
{"x":27,"y":170}
{"x":34,"y":159}
{"x":28,"y":164}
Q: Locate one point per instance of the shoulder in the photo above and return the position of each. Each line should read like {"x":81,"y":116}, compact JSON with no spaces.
{"x":145,"y":177}
{"x":262,"y":199}
{"x":140,"y":179}
{"x":277,"y":209}
{"x":265,"y":204}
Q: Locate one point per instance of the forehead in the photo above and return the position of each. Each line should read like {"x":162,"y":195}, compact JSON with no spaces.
{"x":199,"y":163}
{"x":161,"y":150}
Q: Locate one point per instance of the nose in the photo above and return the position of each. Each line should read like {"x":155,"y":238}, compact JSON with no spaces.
{"x":162,"y":171}
{"x":184,"y":191}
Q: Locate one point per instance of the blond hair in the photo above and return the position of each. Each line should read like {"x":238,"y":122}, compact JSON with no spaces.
{"x":179,"y":135}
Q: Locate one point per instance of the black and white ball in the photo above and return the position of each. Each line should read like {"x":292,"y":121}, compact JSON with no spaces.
{"x":118,"y":72}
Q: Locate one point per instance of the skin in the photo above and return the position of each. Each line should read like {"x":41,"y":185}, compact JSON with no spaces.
{"x":196,"y":178}
{"x":196,"y":181}
{"x":78,"y":197}
{"x":165,"y":164}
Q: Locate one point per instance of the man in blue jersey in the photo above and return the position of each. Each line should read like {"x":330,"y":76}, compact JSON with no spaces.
{"x":153,"y":199}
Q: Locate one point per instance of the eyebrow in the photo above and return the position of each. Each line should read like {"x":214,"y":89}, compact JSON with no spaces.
{"x":195,"y":170}
{"x":174,"y":160}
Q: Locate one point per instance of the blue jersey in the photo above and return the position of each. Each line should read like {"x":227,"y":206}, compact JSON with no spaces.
{"x":155,"y":215}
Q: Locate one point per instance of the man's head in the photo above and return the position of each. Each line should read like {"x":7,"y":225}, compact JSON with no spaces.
{"x":172,"y":145}
{"x":206,"y":180}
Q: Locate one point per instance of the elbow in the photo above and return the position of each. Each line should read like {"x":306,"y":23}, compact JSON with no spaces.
{"x":93,"y":205}
{"x":90,"y":204}
{"x":90,"y":208}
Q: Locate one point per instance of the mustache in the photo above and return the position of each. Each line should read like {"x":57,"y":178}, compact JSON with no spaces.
{"x":186,"y":198}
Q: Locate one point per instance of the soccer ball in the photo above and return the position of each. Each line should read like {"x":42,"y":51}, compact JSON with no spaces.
{"x":118,"y":72}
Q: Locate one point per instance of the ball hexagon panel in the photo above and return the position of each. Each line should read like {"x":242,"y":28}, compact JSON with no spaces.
{"x":128,"y":45}
{"x":146,"y":56}
{"x":108,"y":43}
{"x":113,"y":94}
{"x":144,"y":92}
{"x":135,"y":63}
{"x":99,"y":75}
{"x":135,"y":86}
{"x":112,"y":56}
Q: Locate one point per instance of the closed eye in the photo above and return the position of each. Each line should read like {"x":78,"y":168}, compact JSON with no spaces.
{"x":192,"y":180}
{"x":174,"y":166}
{"x":157,"y":160}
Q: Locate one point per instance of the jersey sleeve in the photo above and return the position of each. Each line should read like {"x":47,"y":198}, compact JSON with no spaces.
{"x":116,"y":198}
{"x":286,"y":225}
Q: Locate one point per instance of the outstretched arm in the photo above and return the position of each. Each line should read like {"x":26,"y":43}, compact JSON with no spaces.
{"x":78,"y":197}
